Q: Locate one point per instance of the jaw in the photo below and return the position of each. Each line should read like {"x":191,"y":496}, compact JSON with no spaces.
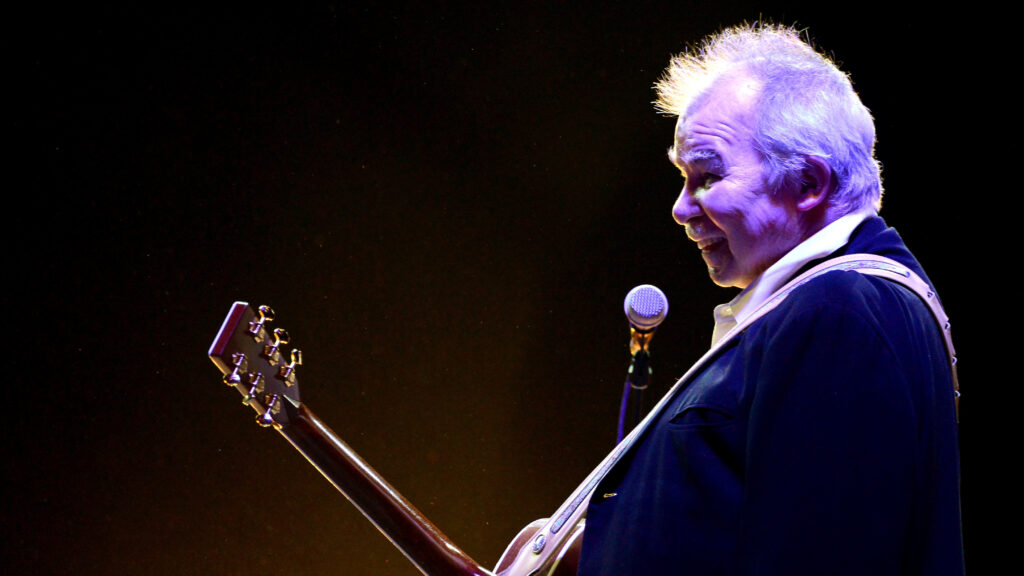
{"x":723,"y":272}
{"x":728,"y":272}
{"x":723,"y":267}
{"x":725,"y":279}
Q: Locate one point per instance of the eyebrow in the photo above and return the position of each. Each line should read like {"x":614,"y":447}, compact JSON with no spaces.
{"x":699,"y":157}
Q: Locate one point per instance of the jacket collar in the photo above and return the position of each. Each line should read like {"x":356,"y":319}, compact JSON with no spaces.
{"x":874,"y":236}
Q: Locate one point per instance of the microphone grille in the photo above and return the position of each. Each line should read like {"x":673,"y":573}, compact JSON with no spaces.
{"x":646,"y":306}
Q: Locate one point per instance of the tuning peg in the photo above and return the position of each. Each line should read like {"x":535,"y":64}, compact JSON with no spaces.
{"x":240,"y":364}
{"x":272,"y":351}
{"x":266,"y":419}
{"x":287,"y":372}
{"x":255,"y":387}
{"x":258,"y":327}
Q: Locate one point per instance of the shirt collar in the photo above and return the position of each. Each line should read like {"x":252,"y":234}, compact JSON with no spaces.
{"x":821,"y":244}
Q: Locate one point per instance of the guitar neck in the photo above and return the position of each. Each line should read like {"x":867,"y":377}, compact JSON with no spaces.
{"x":250,"y":356}
{"x":411,"y":532}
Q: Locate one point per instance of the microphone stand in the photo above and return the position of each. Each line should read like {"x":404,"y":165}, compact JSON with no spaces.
{"x":631,"y":408}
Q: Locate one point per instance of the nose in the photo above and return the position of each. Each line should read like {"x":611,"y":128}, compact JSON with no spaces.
{"x":686,"y":207}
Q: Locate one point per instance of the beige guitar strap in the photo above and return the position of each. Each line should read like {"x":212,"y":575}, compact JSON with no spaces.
{"x":548,"y":543}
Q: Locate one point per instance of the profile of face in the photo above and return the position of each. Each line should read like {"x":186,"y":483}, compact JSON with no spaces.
{"x":740,"y":226}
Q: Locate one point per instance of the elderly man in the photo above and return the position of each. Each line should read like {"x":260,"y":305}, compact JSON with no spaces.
{"x":821,"y":437}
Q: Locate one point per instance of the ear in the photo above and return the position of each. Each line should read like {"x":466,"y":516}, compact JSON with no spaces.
{"x":818,"y":183}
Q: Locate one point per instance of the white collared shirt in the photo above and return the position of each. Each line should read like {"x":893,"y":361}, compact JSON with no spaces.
{"x":821,"y":244}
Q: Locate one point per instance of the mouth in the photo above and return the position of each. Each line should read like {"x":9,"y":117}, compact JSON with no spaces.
{"x":715,"y":252}
{"x":709,"y":244}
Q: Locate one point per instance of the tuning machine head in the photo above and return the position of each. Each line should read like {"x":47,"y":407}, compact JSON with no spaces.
{"x":287,"y":371}
{"x":239,"y":365}
{"x":258,"y":326}
{"x":251,"y":357}
{"x":272,"y":351}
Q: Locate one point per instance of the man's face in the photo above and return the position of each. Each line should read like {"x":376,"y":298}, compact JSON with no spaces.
{"x":739,"y":225}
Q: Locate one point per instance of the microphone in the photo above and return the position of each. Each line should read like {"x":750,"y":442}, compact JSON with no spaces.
{"x":646,"y":307}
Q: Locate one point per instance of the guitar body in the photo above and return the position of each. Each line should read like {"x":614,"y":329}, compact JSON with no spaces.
{"x":251,"y":357}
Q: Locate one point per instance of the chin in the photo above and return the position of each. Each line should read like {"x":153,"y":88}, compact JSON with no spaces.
{"x":728,"y":278}
{"x":720,"y":278}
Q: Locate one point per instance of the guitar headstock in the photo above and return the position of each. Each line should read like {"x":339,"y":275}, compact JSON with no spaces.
{"x":248,"y":351}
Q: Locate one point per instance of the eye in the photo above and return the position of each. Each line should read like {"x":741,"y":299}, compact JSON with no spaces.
{"x":708,"y":179}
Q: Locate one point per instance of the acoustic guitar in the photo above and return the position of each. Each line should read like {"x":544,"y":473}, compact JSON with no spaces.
{"x":253,"y":359}
{"x":251,"y":356}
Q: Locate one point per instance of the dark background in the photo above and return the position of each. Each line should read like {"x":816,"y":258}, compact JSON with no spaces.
{"x":445,"y":205}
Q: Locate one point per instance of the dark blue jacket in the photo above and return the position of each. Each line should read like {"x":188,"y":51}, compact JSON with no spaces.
{"x":820,"y":441}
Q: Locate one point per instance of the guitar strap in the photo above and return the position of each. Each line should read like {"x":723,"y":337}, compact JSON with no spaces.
{"x":549,"y":539}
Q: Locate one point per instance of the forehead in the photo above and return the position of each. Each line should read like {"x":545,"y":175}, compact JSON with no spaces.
{"x":724,"y":117}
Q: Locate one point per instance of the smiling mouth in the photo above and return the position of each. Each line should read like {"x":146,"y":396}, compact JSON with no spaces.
{"x":708,"y":244}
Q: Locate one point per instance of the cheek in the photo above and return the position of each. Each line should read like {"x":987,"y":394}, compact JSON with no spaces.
{"x":730,"y":210}
{"x":752,"y":223}
{"x":760,"y":219}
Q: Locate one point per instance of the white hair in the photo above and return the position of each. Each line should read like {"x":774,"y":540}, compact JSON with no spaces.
{"x":807,"y":107}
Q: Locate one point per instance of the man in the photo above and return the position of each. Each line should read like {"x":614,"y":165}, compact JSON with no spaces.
{"x":821,"y":439}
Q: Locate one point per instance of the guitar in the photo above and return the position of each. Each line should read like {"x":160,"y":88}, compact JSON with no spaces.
{"x":252,"y":357}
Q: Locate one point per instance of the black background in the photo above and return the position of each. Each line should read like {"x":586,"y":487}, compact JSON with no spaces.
{"x":446,"y":206}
